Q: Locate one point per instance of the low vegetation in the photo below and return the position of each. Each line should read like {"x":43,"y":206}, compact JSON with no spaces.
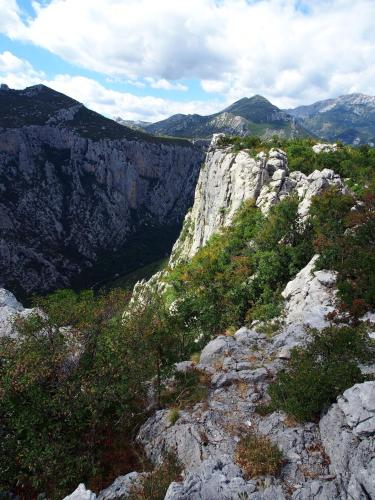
{"x":258,"y":456}
{"x":345,"y":240}
{"x":318,"y":372}
{"x":154,"y":485}
{"x":186,"y":390}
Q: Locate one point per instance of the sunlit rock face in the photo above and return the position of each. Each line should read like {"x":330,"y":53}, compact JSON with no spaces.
{"x":228,"y":178}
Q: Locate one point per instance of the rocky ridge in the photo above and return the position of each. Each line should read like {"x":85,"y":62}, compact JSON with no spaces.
{"x":349,"y":118}
{"x":229,"y":177}
{"x":254,"y":116}
{"x":331,"y":460}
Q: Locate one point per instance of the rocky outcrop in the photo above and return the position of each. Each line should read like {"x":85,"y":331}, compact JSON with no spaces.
{"x":82,"y":193}
{"x":324,"y":148}
{"x":81,"y":493}
{"x":10,"y":308}
{"x":228,"y":178}
{"x":120,"y":489}
{"x":215,"y":479}
{"x":309,"y":298}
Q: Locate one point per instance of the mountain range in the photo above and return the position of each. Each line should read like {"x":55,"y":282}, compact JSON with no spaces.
{"x":349,"y":118}
{"x":248,"y":116}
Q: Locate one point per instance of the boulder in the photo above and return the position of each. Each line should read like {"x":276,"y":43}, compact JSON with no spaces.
{"x":121,"y":487}
{"x":324,"y":148}
{"x":358,"y":406}
{"x":216,"y":350}
{"x":81,"y":493}
{"x":218,"y":479}
{"x":309,"y":297}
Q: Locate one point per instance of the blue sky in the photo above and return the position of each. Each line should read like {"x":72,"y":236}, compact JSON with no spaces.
{"x":142,"y":59}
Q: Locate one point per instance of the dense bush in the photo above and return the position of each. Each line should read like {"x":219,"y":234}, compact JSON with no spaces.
{"x":238,"y":275}
{"x":318,"y":372}
{"x":345,"y":240}
{"x":72,"y":398}
{"x":258,"y":456}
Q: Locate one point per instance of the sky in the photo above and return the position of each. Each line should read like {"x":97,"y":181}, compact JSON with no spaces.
{"x":149,"y":59}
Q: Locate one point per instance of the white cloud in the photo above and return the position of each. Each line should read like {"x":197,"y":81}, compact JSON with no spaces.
{"x":164,"y":84}
{"x":18,"y":73}
{"x":10,"y":21}
{"x":234,"y":47}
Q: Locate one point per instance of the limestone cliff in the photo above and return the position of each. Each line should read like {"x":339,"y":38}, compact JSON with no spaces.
{"x":229,"y":177}
{"x":81,"y":193}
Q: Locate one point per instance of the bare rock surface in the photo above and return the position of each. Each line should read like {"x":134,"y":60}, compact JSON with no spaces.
{"x":348,"y":435}
{"x":316,"y":458}
{"x":324,"y":148}
{"x":121,"y":487}
{"x":81,"y":493}
{"x":9,"y":309}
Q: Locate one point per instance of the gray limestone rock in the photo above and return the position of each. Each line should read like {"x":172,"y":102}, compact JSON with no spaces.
{"x":217,"y":479}
{"x":228,"y":178}
{"x":121,"y":487}
{"x":10,"y":308}
{"x":81,"y":493}
{"x":349,"y":445}
{"x":358,"y":406}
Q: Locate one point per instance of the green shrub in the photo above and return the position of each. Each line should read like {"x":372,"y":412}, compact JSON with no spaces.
{"x":155,"y":484}
{"x":69,"y":396}
{"x":187,"y":389}
{"x":258,"y":456}
{"x":344,"y":238}
{"x":229,"y":282}
{"x":174,"y":415}
{"x":320,"y":371}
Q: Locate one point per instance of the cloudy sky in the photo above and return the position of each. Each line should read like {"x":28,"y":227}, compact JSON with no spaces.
{"x":148,"y":59}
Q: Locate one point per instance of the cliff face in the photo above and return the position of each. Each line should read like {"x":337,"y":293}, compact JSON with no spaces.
{"x":228,"y":178}
{"x":75,"y":198}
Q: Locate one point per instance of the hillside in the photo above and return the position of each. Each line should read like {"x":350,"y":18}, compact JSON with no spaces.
{"x":348,"y":118}
{"x":241,"y":370}
{"x":83,"y":197}
{"x":248,"y":116}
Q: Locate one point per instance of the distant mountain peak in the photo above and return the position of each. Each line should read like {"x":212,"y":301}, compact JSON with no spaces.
{"x":250,"y":115}
{"x":349,"y":118}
